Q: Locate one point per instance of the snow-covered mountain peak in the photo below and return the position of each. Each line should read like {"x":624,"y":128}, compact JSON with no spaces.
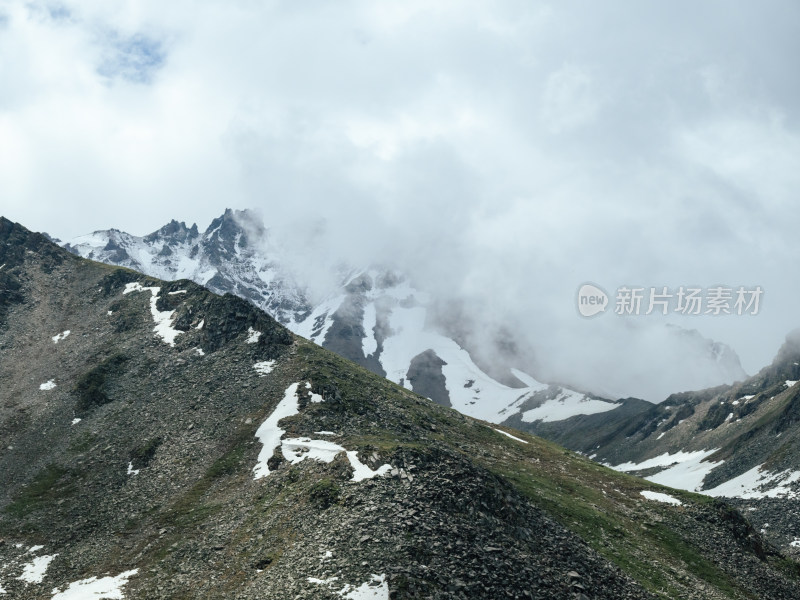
{"x":231,"y":256}
{"x":374,"y":315}
{"x":173,"y":232}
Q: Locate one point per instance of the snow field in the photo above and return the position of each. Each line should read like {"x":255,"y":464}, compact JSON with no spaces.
{"x":688,"y":470}
{"x":109,"y":588}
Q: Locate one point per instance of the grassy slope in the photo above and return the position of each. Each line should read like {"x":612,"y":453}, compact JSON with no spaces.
{"x":601,"y":505}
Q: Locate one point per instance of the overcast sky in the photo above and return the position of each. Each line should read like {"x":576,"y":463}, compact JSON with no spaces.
{"x":507,"y":151}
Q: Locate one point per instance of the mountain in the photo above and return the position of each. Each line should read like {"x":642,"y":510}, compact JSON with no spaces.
{"x":378,"y":318}
{"x":740,"y":441}
{"x":225,"y":258}
{"x":374,"y":316}
{"x":161,"y":441}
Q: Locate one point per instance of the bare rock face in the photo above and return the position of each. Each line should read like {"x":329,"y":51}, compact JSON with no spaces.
{"x":426,"y":378}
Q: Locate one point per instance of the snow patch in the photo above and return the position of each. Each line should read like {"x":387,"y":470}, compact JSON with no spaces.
{"x":663,"y":460}
{"x":752,"y":484}
{"x":790,"y":383}
{"x":660,"y":497}
{"x":315,"y":327}
{"x":134,"y":286}
{"x":362,"y":471}
{"x":175,"y":293}
{"x":525,"y":378}
{"x":568,"y":404}
{"x":471,"y":391}
{"x":317,"y":581}
{"x":60,"y":336}
{"x":264,"y":367}
{"x":199,"y":352}
{"x":200,"y":324}
{"x":252,"y":336}
{"x":131,"y":470}
{"x":76,"y":420}
{"x":48,"y":385}
{"x":95,"y":589}
{"x":686,"y":470}
{"x":375,"y":589}
{"x":269,"y":434}
{"x":688,"y":475}
{"x":163,"y":319}
{"x":295,"y":450}
{"x":34,"y":571}
{"x":509,"y":435}
{"x":315,"y":398}
{"x":369,"y":345}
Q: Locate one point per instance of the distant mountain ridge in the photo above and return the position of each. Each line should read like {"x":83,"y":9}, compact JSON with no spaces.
{"x":375,"y":318}
{"x":740,"y":441}
{"x":223,"y":258}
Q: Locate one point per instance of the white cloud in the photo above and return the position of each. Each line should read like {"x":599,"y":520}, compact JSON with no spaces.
{"x":505,"y":150}
{"x":569,"y":100}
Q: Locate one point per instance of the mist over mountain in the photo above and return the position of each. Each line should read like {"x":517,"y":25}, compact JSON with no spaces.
{"x":475,"y":325}
{"x":500,"y":156}
{"x":302,"y":283}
